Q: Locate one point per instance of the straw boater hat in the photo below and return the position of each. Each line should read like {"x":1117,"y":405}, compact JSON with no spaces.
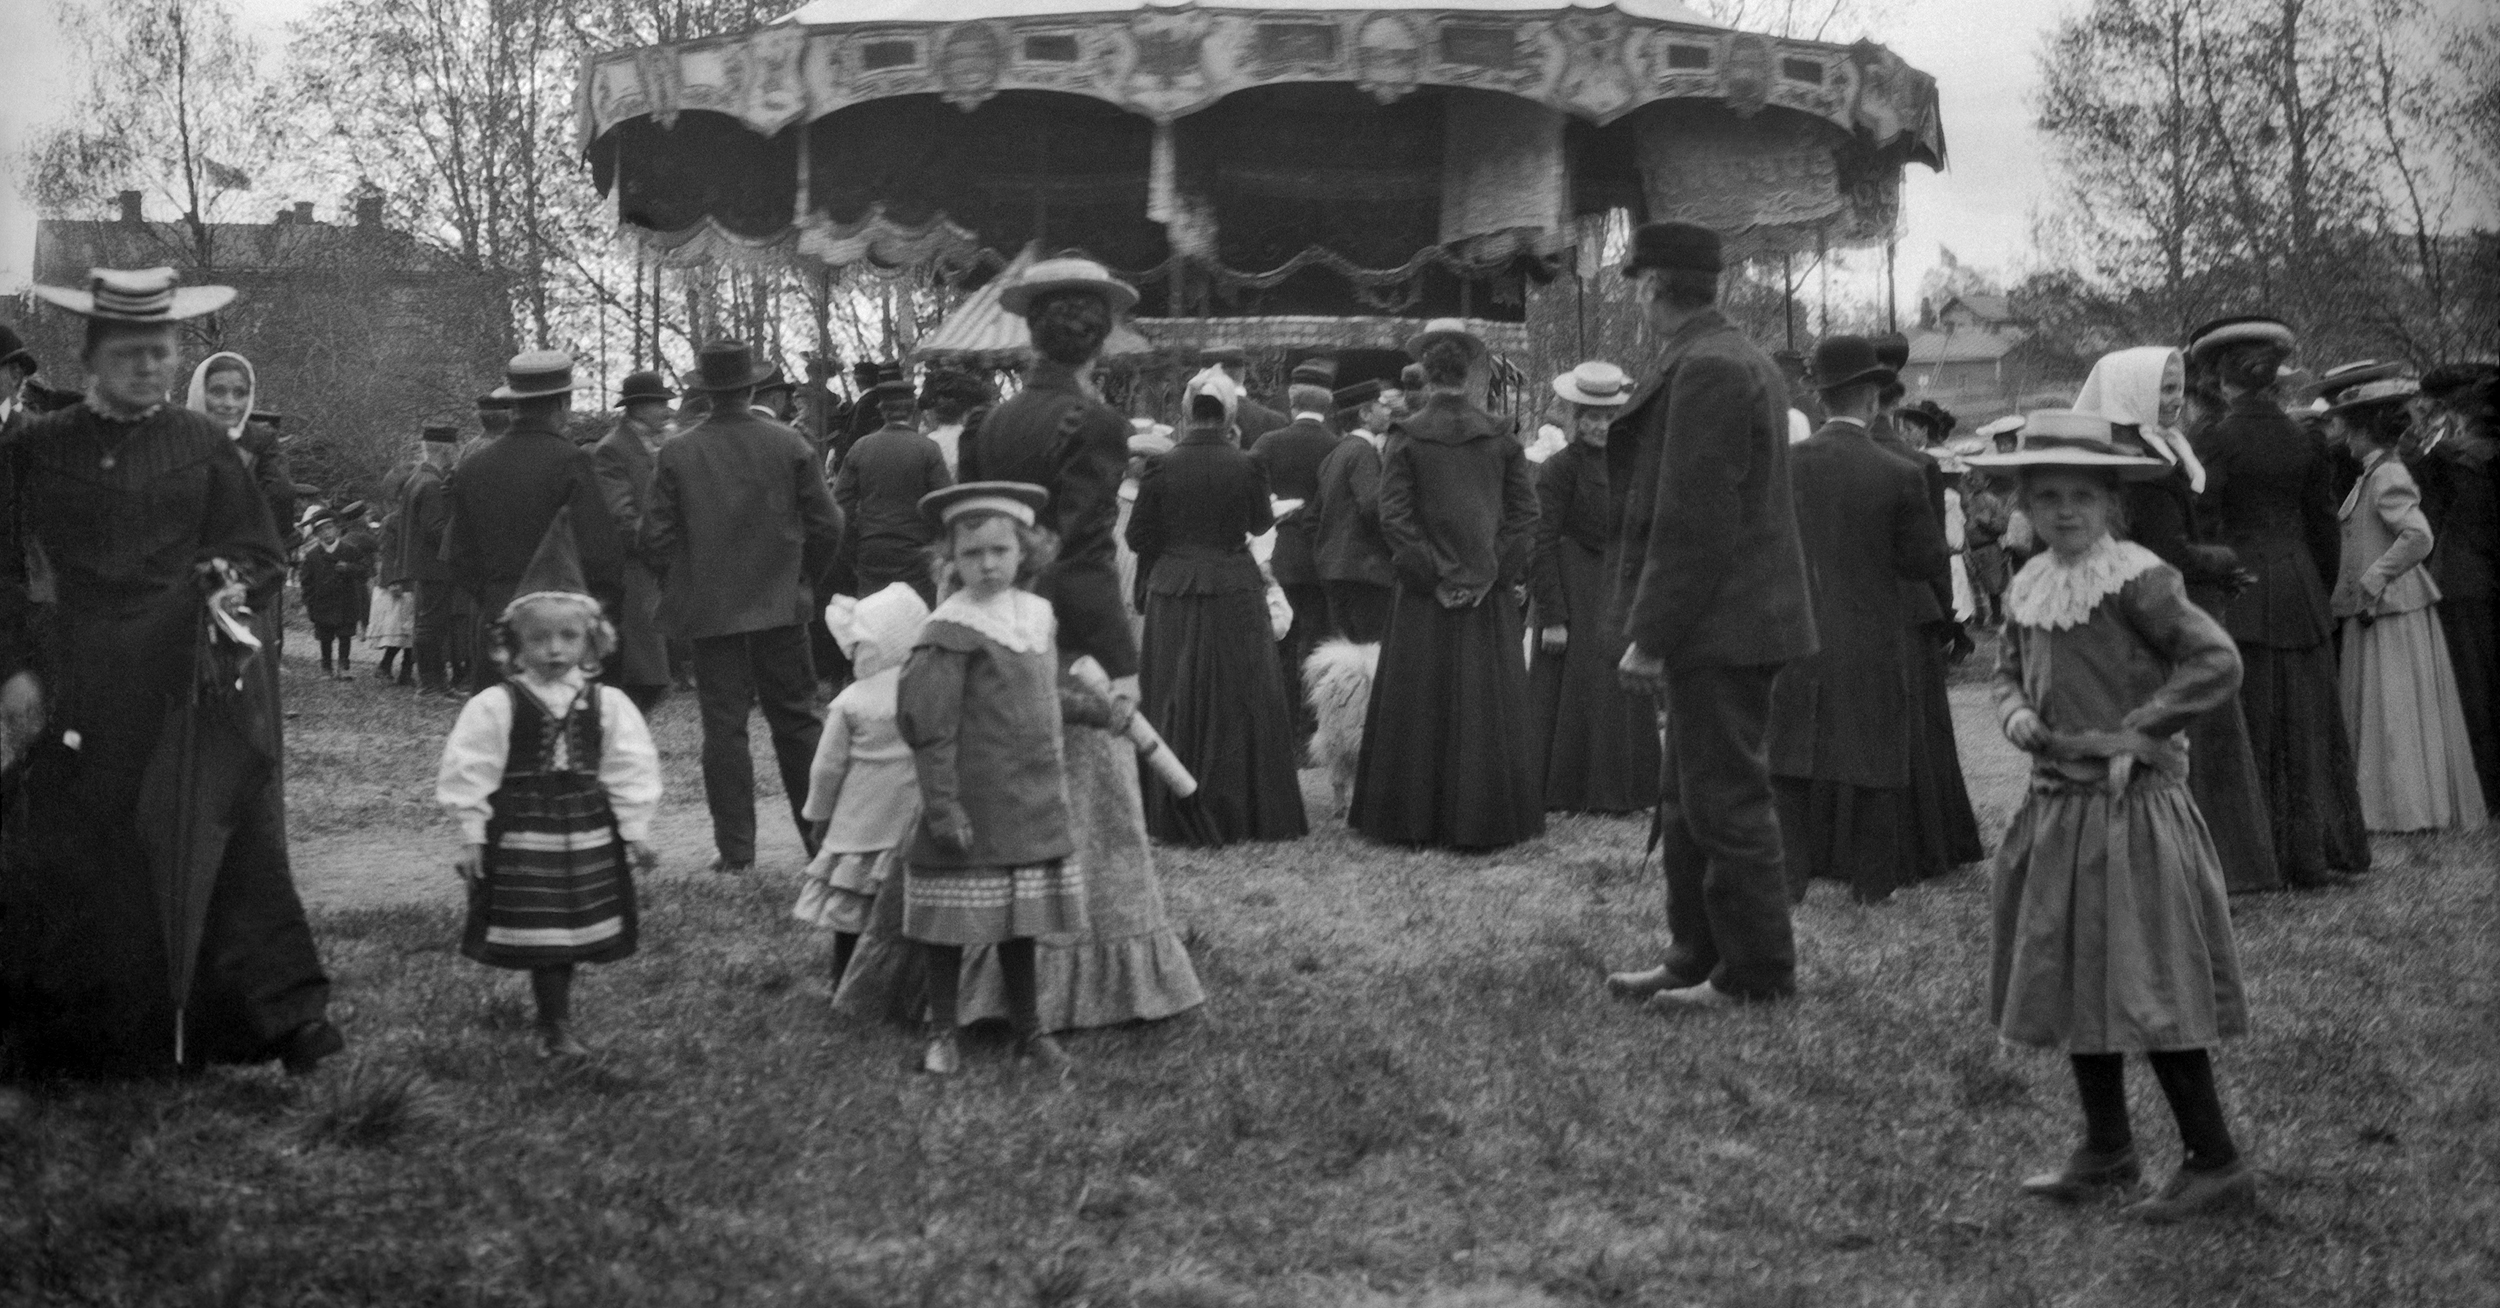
{"x":1596,"y":383}
{"x":147,"y":295}
{"x":1051,"y":276}
{"x":2063,"y":438}
{"x":2343,"y":377}
{"x":1446,"y":329}
{"x":2391,"y":390}
{"x":1019,"y":500}
{"x":1148,"y":437}
{"x":536,"y":374}
{"x":2243,"y":329}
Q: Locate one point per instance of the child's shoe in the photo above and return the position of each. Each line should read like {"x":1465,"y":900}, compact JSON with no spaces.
{"x":2086,"y":1174}
{"x":2191,"y":1193}
{"x":943,"y":1056}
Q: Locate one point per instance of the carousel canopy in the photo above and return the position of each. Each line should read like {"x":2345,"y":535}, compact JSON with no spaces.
{"x":1287,"y":157}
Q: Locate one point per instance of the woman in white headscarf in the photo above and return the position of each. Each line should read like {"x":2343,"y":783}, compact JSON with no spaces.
{"x":225,"y":387}
{"x":2142,"y":392}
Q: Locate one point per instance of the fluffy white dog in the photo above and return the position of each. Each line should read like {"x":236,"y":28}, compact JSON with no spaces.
{"x":1337,"y":682}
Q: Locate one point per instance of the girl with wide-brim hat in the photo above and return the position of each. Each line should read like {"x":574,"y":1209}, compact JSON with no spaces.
{"x":127,"y":495}
{"x":1597,"y":744}
{"x":2111,"y":931}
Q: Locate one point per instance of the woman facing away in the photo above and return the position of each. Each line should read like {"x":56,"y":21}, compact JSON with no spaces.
{"x":2399,"y":689}
{"x":2453,"y":454}
{"x":2111,"y":930}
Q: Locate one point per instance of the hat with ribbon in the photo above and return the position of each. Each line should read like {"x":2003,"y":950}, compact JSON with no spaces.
{"x":2063,"y":438}
{"x":1937,"y":419}
{"x":876,"y":632}
{"x":536,"y":374}
{"x":1318,"y":370}
{"x":2242,"y":329}
{"x":1446,"y":329}
{"x":2345,"y":376}
{"x":1595,"y":382}
{"x":1849,"y":361}
{"x":643,"y":385}
{"x":147,"y":295}
{"x":555,"y":567}
{"x":1019,"y":500}
{"x":13,"y":349}
{"x":725,"y":366}
{"x":2370,"y":394}
{"x":1674,"y":246}
{"x":1069,"y":273}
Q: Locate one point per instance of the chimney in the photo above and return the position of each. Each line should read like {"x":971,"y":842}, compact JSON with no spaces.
{"x":369,"y":210}
{"x":130,"y":208}
{"x":285,"y":218}
{"x":303,"y":211}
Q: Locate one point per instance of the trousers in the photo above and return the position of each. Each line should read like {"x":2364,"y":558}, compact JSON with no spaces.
{"x":1719,"y":836}
{"x":431,"y":655}
{"x":733,"y":676}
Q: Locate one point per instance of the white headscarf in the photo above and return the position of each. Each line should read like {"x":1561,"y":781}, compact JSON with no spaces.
{"x":2125,"y":387}
{"x":1216,"y":382}
{"x":198,"y":400}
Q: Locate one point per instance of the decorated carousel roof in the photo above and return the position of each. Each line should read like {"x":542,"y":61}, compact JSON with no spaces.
{"x":1389,"y":157}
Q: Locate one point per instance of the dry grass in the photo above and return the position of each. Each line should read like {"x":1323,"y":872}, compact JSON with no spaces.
{"x":1408,"y":1089}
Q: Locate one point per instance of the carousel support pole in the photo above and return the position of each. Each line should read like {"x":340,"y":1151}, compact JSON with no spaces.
{"x":1788,"y":296}
{"x":1892,"y":287}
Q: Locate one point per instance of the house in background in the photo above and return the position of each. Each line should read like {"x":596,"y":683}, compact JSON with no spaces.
{"x":359,"y":332}
{"x":1973,"y":359}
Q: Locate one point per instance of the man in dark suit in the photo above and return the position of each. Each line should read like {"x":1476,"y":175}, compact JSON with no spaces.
{"x":424,"y":515}
{"x":1713,"y":593}
{"x":625,"y":459}
{"x":1843,"y":721}
{"x":879,"y":490}
{"x":1251,"y":418}
{"x":1290,"y":456}
{"x":1354,"y":566}
{"x":741,"y":526}
{"x":505,"y":493}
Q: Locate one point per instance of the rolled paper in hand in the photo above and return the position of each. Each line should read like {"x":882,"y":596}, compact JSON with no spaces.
{"x":1152,"y":752}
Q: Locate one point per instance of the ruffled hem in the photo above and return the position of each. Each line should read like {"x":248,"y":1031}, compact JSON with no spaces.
{"x":1087,"y":983}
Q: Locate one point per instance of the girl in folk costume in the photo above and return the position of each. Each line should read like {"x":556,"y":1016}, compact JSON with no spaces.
{"x":1598,"y":742}
{"x":553,"y":779}
{"x":2416,"y":764}
{"x":979,"y":704}
{"x":2112,"y":933}
{"x":861,"y":794}
{"x":2143,"y":394}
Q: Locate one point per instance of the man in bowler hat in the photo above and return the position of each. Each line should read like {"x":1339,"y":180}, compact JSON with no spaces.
{"x":879,"y":490}
{"x":505,"y":493}
{"x":741,"y":526}
{"x":625,"y":459}
{"x":1713,"y":598}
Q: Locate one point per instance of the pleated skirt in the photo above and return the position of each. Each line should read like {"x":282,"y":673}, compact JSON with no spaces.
{"x":1214,"y":690}
{"x":2111,"y":929}
{"x":2305,"y":771}
{"x":2415,"y":766}
{"x":1449,"y":747}
{"x":556,"y":887}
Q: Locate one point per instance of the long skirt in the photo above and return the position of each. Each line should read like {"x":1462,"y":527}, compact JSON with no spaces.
{"x":392,"y":623}
{"x":1212,"y":687}
{"x":1449,"y":752}
{"x":1598,"y":747}
{"x":557,"y":888}
{"x":1865,"y":837}
{"x":2296,"y":732}
{"x":2111,"y":930}
{"x":2222,"y":775}
{"x":2416,"y":767}
{"x":2473,"y":648}
{"x":1948,"y":828}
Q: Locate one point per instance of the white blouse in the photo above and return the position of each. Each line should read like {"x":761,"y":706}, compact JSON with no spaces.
{"x":475,"y":755}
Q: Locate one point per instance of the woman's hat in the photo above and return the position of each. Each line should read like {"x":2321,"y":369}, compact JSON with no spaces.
{"x":644,"y":385}
{"x":1596,"y":383}
{"x":725,"y":366}
{"x":1053,"y":276}
{"x":1849,"y":361}
{"x":147,"y":295}
{"x":2244,"y":329}
{"x":2392,"y":390}
{"x":1935,"y":417}
{"x":2063,"y":438}
{"x":13,"y":349}
{"x":1446,"y":329}
{"x":1688,"y":247}
{"x":2345,"y":376}
{"x":961,"y":387}
{"x":1148,"y":437}
{"x":1019,"y":500}
{"x":536,"y":374}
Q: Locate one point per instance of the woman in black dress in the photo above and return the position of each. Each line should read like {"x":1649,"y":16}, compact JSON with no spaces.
{"x":1210,"y":685}
{"x":2455,"y":466}
{"x":1599,"y":742}
{"x":152,"y":922}
{"x":1448,"y":744}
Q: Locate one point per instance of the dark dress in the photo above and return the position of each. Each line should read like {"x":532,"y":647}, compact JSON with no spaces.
{"x":2269,"y":492}
{"x":121,"y":512}
{"x":1210,"y":683}
{"x":2222,"y":767}
{"x":1598,"y":742}
{"x":2457,"y":497}
{"x":1844,"y":734}
{"x":1946,"y":821}
{"x":1449,"y":755}
{"x":331,"y":578}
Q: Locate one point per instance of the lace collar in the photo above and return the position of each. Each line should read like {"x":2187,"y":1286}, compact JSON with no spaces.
{"x":1018,"y":619}
{"x":2056,"y":595}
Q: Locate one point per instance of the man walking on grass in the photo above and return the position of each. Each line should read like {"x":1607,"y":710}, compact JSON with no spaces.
{"x":1713,"y":595}
{"x":740,"y":524}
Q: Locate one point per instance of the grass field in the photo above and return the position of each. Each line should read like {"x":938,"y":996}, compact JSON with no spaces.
{"x":1408,"y":1088}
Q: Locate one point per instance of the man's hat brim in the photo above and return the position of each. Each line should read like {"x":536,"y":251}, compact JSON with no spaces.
{"x":2129,"y":466}
{"x":1879,"y":375}
{"x":1018,"y":299}
{"x":754,"y":379}
{"x":533,"y":393}
{"x":189,"y":302}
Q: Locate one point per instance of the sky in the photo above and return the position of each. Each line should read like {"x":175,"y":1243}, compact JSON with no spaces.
{"x":1983,"y":54}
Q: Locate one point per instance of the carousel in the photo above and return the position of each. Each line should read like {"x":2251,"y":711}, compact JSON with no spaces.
{"x":1280,"y":174}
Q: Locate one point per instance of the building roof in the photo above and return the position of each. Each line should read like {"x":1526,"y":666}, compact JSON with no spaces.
{"x":1986,"y":308}
{"x":66,"y":247}
{"x":1962,"y":347}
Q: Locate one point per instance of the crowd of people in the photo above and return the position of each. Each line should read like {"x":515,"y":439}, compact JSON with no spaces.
{"x":1727,"y":592}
